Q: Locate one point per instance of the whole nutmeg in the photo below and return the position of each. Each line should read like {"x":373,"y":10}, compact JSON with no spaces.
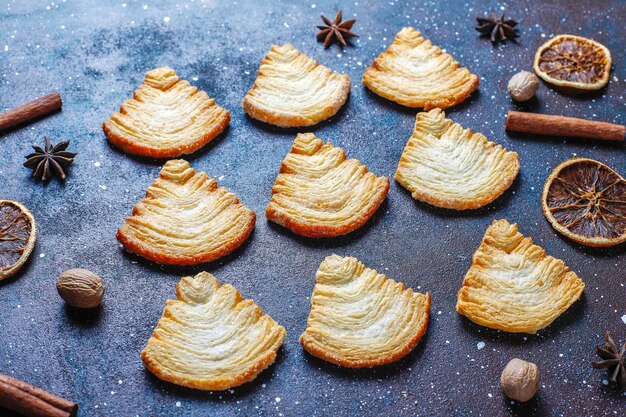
{"x":523,"y":86}
{"x":80,"y":288}
{"x":520,"y":380}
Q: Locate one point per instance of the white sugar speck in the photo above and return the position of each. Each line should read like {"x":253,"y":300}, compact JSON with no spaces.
{"x":123,"y":4}
{"x":96,"y":164}
{"x":42,"y":255}
{"x":277,"y":399}
{"x":480,"y":345}
{"x":624,"y":318}
{"x":221,"y":177}
{"x":313,"y":6}
{"x":166,"y":19}
{"x":177,"y":403}
{"x":62,"y":26}
{"x":145,"y":6}
{"x":103,"y":187}
{"x":194,"y":78}
{"x":120,"y":381}
{"x":6,"y":47}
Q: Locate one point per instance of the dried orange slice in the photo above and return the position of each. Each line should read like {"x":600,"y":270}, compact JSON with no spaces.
{"x":574,"y":62}
{"x":18,"y":233}
{"x":585,"y":200}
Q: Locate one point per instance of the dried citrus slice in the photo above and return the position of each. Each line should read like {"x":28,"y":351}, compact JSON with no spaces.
{"x":573,"y":61}
{"x":585,"y":200}
{"x":18,"y":233}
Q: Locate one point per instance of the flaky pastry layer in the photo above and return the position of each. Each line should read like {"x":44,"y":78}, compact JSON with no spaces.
{"x":513,"y":285}
{"x":166,"y":118}
{"x":293,"y":90}
{"x":210,"y":338}
{"x":415,"y":73}
{"x":360,"y":318}
{"x":320,"y":193}
{"x":186,"y":219}
{"x":448,"y":166}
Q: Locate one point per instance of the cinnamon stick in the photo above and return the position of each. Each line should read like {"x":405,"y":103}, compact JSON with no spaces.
{"x":31,"y":401}
{"x":33,"y":109}
{"x":546,"y":124}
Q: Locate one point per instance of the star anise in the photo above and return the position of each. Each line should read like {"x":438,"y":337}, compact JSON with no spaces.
{"x":50,"y":160}
{"x":336,"y":30}
{"x":613,"y":359}
{"x":497,"y":28}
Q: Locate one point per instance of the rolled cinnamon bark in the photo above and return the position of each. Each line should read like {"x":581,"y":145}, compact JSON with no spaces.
{"x":33,"y":109}
{"x":546,"y":124}
{"x":31,"y":401}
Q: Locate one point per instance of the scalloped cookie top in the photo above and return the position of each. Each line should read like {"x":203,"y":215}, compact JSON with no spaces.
{"x":451,"y":167}
{"x":415,"y":73}
{"x":210,"y":338}
{"x":166,"y":118}
{"x":513,"y":285}
{"x":320,"y":193}
{"x":186,"y":219}
{"x":360,"y":318}
{"x":293,"y":90}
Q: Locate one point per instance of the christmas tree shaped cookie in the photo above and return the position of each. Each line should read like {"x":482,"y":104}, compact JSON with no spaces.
{"x":186,"y":219}
{"x":448,"y":166}
{"x":320,"y":193}
{"x":360,"y":318}
{"x":210,"y":338}
{"x":513,"y":285}
{"x":293,"y":90}
{"x":166,"y":118}
{"x":415,"y":73}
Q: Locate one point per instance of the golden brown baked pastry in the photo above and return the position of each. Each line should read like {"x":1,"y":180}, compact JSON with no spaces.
{"x":186,"y":219}
{"x":293,"y":90}
{"x":166,"y":118}
{"x":211,"y":338}
{"x":513,"y":285}
{"x":451,"y":167}
{"x":415,"y":73}
{"x":318,"y":193}
{"x":360,"y":318}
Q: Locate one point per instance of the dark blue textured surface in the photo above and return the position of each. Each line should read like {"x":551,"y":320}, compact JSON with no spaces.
{"x":96,"y":53}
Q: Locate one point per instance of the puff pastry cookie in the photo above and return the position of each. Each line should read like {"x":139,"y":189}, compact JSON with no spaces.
{"x":293,"y":90}
{"x":513,"y":285}
{"x":166,"y":118}
{"x":360,"y":318}
{"x":451,"y":167}
{"x":211,"y":338}
{"x":415,"y":73}
{"x":186,"y":219}
{"x":318,"y":193}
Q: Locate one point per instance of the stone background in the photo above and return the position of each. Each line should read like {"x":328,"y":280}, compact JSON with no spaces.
{"x":97,"y":52}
